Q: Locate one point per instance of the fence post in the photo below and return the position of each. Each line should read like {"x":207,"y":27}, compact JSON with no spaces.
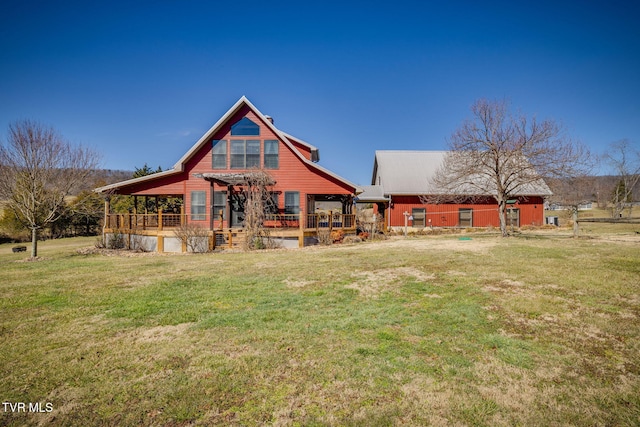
{"x":160,"y":220}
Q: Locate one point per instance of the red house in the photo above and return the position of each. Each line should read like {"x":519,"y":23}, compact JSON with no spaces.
{"x":401,"y":189}
{"x":306,"y":198}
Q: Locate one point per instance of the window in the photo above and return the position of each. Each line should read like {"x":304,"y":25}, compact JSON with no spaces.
{"x":253,"y":154}
{"x":291,"y":202}
{"x":271,"y":206}
{"x":271,"y":154}
{"x":219,"y":204}
{"x":245,"y":126}
{"x":219,"y":154}
{"x":198,"y":205}
{"x":465,"y":217}
{"x":513,"y":217}
{"x":245,"y":154}
{"x":418,"y":215}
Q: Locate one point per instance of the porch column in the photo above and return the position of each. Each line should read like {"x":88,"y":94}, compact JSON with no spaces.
{"x":302,"y":221}
{"x":211,"y":212}
{"x":105,"y":223}
{"x":228,"y":207}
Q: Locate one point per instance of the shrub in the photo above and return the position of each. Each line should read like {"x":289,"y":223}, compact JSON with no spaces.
{"x":352,"y":239}
{"x":116,"y":241}
{"x":337,"y":236}
{"x":195,"y":238}
{"x":324,"y":237}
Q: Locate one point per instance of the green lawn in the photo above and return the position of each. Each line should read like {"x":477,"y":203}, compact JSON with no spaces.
{"x":530,"y":330}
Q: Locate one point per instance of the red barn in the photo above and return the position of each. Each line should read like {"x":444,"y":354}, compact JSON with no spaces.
{"x":306,"y":197}
{"x":401,"y":187}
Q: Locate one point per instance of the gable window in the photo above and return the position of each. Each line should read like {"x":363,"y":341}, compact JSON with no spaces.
{"x":198,"y":205}
{"x":419,"y":215}
{"x":245,"y":126}
{"x":291,"y":202}
{"x":271,"y":154}
{"x":219,"y":204}
{"x":219,"y":154}
{"x":245,"y":154}
{"x":465,"y":217}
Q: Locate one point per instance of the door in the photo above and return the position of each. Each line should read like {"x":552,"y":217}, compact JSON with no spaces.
{"x":513,"y":217}
{"x":237,"y":210}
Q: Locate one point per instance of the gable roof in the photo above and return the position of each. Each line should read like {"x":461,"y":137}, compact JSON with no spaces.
{"x":287,"y":139}
{"x":406,"y":172}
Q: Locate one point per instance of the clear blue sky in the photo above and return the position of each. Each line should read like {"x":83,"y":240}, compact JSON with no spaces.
{"x":142,"y":81}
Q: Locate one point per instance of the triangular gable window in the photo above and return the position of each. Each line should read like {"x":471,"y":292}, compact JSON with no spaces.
{"x":245,"y":127}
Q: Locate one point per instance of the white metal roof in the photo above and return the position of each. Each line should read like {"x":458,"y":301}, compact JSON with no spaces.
{"x":406,"y":172}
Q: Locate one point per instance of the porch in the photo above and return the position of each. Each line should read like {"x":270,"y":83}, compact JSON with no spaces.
{"x":299,"y":228}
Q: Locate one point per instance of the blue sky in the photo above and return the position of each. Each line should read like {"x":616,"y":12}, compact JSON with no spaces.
{"x":141,"y":81}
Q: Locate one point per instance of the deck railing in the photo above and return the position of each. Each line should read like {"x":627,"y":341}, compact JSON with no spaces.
{"x":144,"y":221}
{"x":161,"y":221}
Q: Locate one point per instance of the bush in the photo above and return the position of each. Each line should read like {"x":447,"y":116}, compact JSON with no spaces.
{"x":116,"y":241}
{"x":337,"y":236}
{"x":352,"y":239}
{"x":194,"y":237}
{"x":324,"y":237}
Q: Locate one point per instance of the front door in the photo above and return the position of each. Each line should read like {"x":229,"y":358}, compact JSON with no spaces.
{"x":237,"y":210}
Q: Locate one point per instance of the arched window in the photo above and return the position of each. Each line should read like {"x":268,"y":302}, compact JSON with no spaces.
{"x":245,"y":126}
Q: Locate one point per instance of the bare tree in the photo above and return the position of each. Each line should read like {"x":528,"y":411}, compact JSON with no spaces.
{"x":38,"y":169}
{"x":573,"y":192}
{"x":624,"y":157}
{"x":500,"y":154}
{"x":257,"y":203}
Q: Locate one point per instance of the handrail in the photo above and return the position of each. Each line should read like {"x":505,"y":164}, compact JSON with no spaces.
{"x":315,"y":221}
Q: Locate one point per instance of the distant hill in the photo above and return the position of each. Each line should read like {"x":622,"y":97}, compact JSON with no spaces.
{"x":603,"y":188}
{"x":101,"y":177}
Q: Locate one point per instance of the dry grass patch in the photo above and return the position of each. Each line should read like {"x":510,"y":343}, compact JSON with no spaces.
{"x":372,"y":283}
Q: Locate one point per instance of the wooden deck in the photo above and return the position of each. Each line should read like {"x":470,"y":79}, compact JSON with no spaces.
{"x":284,"y":226}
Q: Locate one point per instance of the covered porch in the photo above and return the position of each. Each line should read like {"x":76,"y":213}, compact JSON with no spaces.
{"x":224,"y":223}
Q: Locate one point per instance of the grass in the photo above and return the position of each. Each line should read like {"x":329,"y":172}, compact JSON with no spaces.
{"x":542,"y":330}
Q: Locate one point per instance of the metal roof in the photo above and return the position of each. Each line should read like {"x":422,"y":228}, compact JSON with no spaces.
{"x":406,"y":172}
{"x":371,"y":194}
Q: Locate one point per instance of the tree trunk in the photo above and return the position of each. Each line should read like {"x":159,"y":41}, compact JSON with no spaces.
{"x":34,"y":242}
{"x":574,"y":217}
{"x":502,"y":214}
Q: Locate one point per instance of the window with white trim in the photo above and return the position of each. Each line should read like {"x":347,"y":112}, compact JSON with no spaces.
{"x":198,"y":205}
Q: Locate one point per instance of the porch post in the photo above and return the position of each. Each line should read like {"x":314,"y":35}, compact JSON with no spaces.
{"x":228,"y":207}
{"x":105,"y":224}
{"x":211,"y":212}
{"x":302,"y":221}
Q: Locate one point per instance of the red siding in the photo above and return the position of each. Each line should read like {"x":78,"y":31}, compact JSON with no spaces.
{"x":293,"y":174}
{"x":447,"y":214}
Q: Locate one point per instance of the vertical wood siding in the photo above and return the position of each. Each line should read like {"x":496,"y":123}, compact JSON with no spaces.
{"x":447,"y":214}
{"x":292,"y":173}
